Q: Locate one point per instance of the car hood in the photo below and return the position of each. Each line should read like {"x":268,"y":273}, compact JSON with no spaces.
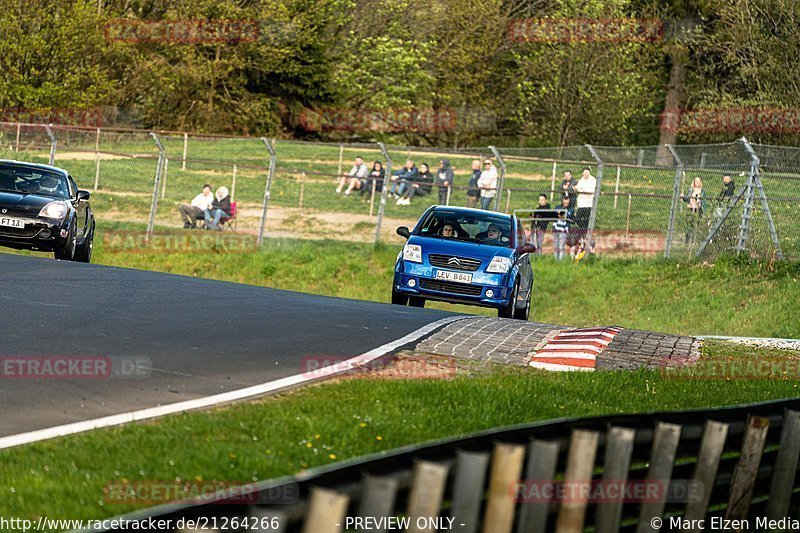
{"x":17,"y":202}
{"x":484,"y":252}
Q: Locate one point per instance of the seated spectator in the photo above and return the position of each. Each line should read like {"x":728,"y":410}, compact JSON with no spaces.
{"x":538,"y":227}
{"x":400,"y":177}
{"x":444,"y":180}
{"x":420,"y":185}
{"x":356,"y":174}
{"x":194,"y":211}
{"x":219,"y":209}
{"x":473,"y":192}
{"x":487,"y":184}
{"x":561,"y":232}
{"x":375,"y":179}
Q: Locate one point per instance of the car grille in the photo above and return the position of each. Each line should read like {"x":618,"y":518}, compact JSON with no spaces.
{"x":28,"y":231}
{"x":452,"y":287}
{"x":449,"y":261}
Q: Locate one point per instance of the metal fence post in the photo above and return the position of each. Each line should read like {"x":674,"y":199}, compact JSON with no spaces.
{"x":97,"y":159}
{"x":596,"y":200}
{"x":754,"y":169}
{"x":267,"y":188}
{"x":53,"y":142}
{"x":744,"y":228}
{"x":384,"y":190}
{"x":501,"y":179}
{"x":676,"y":191}
{"x":159,"y":169}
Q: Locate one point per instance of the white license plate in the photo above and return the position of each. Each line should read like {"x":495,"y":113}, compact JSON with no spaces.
{"x":12,"y":222}
{"x":458,"y":277}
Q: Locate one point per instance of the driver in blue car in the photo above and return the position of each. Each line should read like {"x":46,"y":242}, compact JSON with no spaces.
{"x":493,"y":234}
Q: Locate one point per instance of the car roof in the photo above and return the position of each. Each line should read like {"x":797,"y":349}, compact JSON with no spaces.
{"x":472,"y":211}
{"x":40,"y":166}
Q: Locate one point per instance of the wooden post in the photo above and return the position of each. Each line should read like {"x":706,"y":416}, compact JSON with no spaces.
{"x":744,"y":475}
{"x":619,"y":447}
{"x":326,"y":511}
{"x":302,"y":188}
{"x":508,"y":200}
{"x":628,"y":220}
{"x":616,"y":189}
{"x":542,"y":462}
{"x":164,"y":178}
{"x":18,"y":129}
{"x":665,"y":444}
{"x":705,"y":472}
{"x":378,"y":495}
{"x":447,"y":199}
{"x":580,"y":464}
{"x":372,"y":196}
{"x":507,"y":461}
{"x":427,"y":490}
{"x":341,"y":157}
{"x":783,"y":475}
{"x":185,"y":148}
{"x":468,"y":489}
{"x":553,"y":182}
{"x":97,"y":160}
{"x":233,"y":184}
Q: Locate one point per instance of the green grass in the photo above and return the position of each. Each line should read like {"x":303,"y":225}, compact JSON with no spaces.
{"x":65,"y":477}
{"x":728,"y":298}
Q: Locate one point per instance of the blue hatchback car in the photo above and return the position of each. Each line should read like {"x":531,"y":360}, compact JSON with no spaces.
{"x":465,"y":256}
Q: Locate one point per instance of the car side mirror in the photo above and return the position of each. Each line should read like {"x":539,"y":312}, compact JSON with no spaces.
{"x":527,"y":248}
{"x":403,"y":232}
{"x":83,"y":195}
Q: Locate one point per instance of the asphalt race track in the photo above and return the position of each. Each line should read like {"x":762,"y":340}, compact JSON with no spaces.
{"x":186,"y":337}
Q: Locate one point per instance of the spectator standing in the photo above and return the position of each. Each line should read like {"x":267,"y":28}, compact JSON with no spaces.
{"x":356,"y":174}
{"x":444,"y":180}
{"x":728,"y":189}
{"x":586,"y":189}
{"x":473,"y":191}
{"x":568,"y":187}
{"x":419,"y":186}
{"x":695,"y":198}
{"x":561,"y":232}
{"x":220,"y":208}
{"x":540,"y":223}
{"x":487,"y":183}
{"x":191,"y":212}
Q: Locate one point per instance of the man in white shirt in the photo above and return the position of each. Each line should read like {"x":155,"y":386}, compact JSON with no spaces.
{"x":487,"y":183}
{"x":190,"y":213}
{"x":356,"y":174}
{"x":586,"y":189}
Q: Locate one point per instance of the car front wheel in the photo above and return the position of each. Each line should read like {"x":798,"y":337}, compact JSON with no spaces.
{"x":398,"y":298}
{"x":66,"y":251}
{"x":84,"y":253}
{"x":507,"y":311}
{"x":525,"y":312}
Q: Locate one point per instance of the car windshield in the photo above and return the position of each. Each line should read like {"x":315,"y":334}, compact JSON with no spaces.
{"x":485,"y":228}
{"x":29,"y":180}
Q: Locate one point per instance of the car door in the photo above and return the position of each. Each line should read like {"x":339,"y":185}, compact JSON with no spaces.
{"x":80,"y":208}
{"x":525,"y":270}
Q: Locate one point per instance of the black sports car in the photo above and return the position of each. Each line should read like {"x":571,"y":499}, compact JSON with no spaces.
{"x":41,"y":208}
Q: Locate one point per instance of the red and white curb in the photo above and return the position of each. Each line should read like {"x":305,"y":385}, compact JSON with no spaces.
{"x":575,"y":349}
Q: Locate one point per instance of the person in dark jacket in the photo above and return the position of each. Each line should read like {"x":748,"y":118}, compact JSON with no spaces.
{"x":728,"y":189}
{"x":473,"y":192}
{"x":375,"y":179}
{"x":420,"y":186}
{"x":444,"y":180}
{"x":540,"y":223}
{"x":220,"y":208}
{"x":568,"y":188}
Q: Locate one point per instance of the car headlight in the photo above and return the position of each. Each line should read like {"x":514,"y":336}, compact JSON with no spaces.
{"x":54,"y":210}
{"x":413,"y":253}
{"x":499,"y":265}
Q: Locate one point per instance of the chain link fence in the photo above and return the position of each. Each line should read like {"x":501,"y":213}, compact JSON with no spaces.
{"x":672,"y":201}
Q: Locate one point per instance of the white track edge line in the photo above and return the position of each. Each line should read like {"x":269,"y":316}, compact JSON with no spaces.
{"x":217,"y":399}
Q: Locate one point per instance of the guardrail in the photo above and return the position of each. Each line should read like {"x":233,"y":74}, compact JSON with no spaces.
{"x":727,"y":463}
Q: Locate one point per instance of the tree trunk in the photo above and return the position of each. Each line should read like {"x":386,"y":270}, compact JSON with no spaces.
{"x":674,"y":103}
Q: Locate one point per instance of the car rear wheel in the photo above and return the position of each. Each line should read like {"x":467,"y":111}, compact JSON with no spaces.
{"x":84,"y":253}
{"x":507,"y":311}
{"x":399,"y":299}
{"x":66,"y":251}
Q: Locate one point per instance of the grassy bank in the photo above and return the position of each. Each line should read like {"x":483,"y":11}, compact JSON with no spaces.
{"x":729,"y":298}
{"x":66,"y":477}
